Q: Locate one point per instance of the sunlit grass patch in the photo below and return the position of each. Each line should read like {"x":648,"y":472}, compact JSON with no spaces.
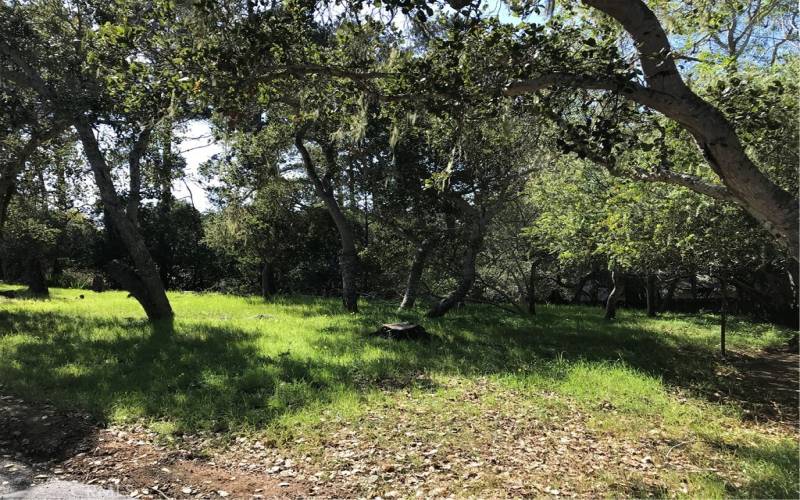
{"x":296,"y":371}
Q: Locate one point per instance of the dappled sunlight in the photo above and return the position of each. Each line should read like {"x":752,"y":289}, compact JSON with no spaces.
{"x":280,"y":367}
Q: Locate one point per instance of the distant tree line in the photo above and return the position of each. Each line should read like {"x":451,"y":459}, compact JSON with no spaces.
{"x":629,"y":153}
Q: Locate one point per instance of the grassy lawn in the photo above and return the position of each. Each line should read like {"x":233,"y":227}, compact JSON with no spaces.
{"x":559,"y":401}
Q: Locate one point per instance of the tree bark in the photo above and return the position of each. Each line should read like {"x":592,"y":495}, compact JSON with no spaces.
{"x":652,"y":306}
{"x":532,"y":289}
{"x":616,"y":293}
{"x":348,"y":258}
{"x":144,"y":281}
{"x":723,"y":316}
{"x":576,"y":297}
{"x":268,"y":287}
{"x":468,"y":273}
{"x":415,"y":273}
{"x":666,"y":92}
{"x":12,"y":167}
{"x":667,"y":303}
{"x":35,"y":276}
{"x":7,"y":188}
{"x":135,"y":174}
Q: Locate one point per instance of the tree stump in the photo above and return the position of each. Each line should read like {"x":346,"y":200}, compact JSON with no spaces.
{"x":98,"y":284}
{"x":402,"y":331}
{"x":794,"y":344}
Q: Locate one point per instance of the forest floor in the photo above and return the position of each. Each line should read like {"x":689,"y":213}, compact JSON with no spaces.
{"x":242,"y":398}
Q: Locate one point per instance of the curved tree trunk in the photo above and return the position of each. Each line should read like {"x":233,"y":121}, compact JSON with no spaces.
{"x":616,"y":293}
{"x":667,"y":93}
{"x":468,"y":272}
{"x":143,"y":281}
{"x":415,"y":274}
{"x":652,"y":306}
{"x":348,"y":258}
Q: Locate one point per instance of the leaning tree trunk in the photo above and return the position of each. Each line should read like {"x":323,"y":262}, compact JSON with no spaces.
{"x":716,"y":138}
{"x":616,"y":293}
{"x":576,"y":297}
{"x":651,"y":295}
{"x":415,"y":274}
{"x":468,"y":272}
{"x":143,"y":282}
{"x":348,"y":258}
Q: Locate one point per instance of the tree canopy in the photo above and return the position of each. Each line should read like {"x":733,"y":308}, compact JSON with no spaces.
{"x":405,"y":148}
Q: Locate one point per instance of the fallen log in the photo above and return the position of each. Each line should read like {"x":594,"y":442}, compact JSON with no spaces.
{"x":402,"y":331}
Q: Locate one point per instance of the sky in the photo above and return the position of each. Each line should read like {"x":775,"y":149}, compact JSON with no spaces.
{"x":196,"y":146}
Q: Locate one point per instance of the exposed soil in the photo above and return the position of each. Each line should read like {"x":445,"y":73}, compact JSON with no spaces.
{"x":767,"y":385}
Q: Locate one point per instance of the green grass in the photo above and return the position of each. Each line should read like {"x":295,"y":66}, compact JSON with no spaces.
{"x":298,"y":369}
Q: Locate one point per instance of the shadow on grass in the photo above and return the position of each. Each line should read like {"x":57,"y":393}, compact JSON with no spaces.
{"x":773,"y":468}
{"x":199,"y":375}
{"x":22,"y":294}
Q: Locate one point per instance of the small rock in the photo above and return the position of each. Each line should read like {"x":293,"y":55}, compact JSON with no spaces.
{"x":223,"y":493}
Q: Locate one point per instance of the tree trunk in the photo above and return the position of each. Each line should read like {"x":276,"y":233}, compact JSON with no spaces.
{"x":667,"y":93}
{"x":7,"y":187}
{"x":10,"y":170}
{"x":652,"y":306}
{"x":723,"y":316}
{"x":135,"y":174}
{"x":37,"y":284}
{"x":143,"y":282}
{"x":268,"y":287}
{"x":532,"y":289}
{"x":616,"y":293}
{"x":415,"y":274}
{"x":348,"y":264}
{"x":348,"y":258}
{"x":667,"y":303}
{"x":468,"y":273}
{"x":576,"y":297}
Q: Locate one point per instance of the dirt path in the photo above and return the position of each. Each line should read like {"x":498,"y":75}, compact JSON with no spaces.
{"x":769,"y":385}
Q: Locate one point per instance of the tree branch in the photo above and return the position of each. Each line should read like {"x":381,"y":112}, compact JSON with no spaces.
{"x":691,"y":182}
{"x":634,"y":91}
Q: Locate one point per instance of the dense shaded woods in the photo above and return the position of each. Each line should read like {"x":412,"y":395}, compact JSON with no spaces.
{"x":632,"y":153}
